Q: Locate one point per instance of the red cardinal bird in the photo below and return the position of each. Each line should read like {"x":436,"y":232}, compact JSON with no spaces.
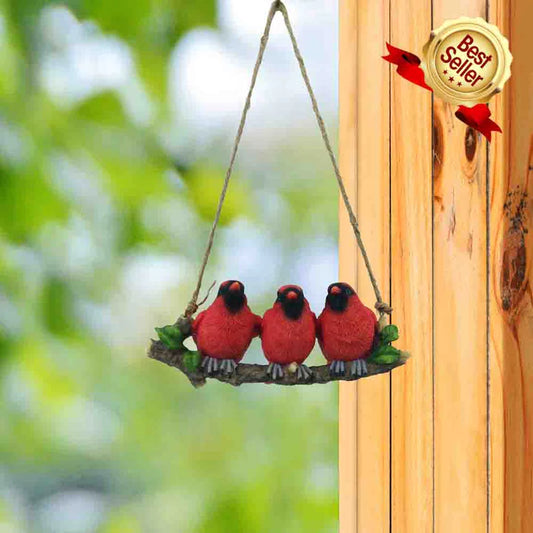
{"x":346,"y":330}
{"x":288,"y":332}
{"x":225,"y":329}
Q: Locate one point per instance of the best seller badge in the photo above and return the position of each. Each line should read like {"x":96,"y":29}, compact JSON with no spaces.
{"x":466,"y":61}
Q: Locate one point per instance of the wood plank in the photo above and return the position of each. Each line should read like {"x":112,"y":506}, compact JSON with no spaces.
{"x":411,"y":264}
{"x":369,"y":400}
{"x":460,"y":304}
{"x":373,"y":191}
{"x":347,"y":255}
{"x":511,"y":300}
{"x":499,"y":161}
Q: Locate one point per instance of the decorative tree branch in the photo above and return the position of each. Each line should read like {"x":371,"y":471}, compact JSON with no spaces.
{"x":248,"y":373}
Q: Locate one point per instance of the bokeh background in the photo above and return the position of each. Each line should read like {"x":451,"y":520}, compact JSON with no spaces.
{"x":116,"y":123}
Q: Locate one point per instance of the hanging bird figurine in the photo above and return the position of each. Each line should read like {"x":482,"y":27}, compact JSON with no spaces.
{"x":288,"y":332}
{"x":225,"y":329}
{"x":346,"y":330}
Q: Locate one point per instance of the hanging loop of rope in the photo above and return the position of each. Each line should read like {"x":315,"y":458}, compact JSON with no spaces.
{"x":278,"y":5}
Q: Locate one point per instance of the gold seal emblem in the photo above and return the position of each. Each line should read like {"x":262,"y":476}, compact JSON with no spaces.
{"x":466,"y":61}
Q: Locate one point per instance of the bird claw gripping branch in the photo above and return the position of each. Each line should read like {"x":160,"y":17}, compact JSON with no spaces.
{"x":189,"y":364}
{"x":170,"y":349}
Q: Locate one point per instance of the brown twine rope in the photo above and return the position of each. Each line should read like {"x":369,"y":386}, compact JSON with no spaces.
{"x":278,"y":5}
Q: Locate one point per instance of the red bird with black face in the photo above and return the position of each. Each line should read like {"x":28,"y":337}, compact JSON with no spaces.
{"x":225,"y":329}
{"x":288,"y":332}
{"x":346,"y":330}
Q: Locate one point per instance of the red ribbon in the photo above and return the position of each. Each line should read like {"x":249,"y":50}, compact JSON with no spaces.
{"x":408,"y":65}
{"x":476,"y":117}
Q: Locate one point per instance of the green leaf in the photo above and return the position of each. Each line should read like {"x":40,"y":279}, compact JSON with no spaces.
{"x":192,"y":360}
{"x":389,"y":334}
{"x":171,"y":337}
{"x":385,"y":355}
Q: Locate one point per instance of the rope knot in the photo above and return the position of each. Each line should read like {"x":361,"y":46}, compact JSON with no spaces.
{"x":383,"y":308}
{"x":191,"y":308}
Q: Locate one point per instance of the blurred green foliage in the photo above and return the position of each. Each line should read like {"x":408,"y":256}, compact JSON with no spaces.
{"x":93,"y":435}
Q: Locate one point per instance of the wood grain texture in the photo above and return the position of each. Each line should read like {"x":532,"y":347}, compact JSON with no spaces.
{"x":510,"y":271}
{"x":373,"y":191}
{"x":498,"y":188}
{"x":460,"y":306}
{"x":366,"y":84}
{"x":461,"y":411}
{"x":347,"y":255}
{"x":411,"y":199}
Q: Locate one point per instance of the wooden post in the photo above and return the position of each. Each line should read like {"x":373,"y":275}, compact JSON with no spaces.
{"x":510,"y":282}
{"x":365,"y":409}
{"x":412,"y":286}
{"x":445,"y":443}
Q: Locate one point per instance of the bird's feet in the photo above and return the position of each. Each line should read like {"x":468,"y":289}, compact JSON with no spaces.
{"x":358,"y":368}
{"x":227,"y":366}
{"x":275,"y":371}
{"x":337,"y":368}
{"x":303,"y":372}
{"x":212,"y":365}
